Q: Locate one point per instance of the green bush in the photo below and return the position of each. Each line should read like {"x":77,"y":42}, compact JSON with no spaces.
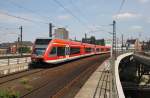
{"x":24,"y":50}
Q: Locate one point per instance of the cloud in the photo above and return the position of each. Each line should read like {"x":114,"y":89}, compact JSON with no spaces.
{"x":64,"y":17}
{"x":148,"y":20}
{"x":136,"y":28}
{"x":126,"y":16}
{"x":143,"y":1}
{"x":94,"y":27}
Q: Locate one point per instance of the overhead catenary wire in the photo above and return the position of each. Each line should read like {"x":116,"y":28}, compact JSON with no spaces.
{"x":60,"y":4}
{"x":81,"y":12}
{"x":43,"y":16}
{"x":120,"y":8}
{"x":71,"y":13}
{"x":29,"y":10}
{"x":22,"y":18}
{"x":7,"y":28}
{"x":86,"y":18}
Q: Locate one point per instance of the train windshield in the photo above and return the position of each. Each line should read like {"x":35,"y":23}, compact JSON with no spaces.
{"x":39,"y":51}
{"x":40,"y":46}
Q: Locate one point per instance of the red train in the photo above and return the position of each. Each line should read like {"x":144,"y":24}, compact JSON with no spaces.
{"x":57,"y":50}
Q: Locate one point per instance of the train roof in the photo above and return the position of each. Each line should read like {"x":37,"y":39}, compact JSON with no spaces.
{"x":66,"y":41}
{"x":44,"y":38}
{"x":72,"y":42}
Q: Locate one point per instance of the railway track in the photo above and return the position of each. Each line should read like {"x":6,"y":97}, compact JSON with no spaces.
{"x":57,"y":81}
{"x":16,"y":75}
{"x":11,"y":77}
{"x":68,"y":86}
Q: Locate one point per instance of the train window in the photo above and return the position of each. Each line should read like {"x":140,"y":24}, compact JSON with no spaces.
{"x":87,"y":50}
{"x":102,"y":49}
{"x":74,"y":50}
{"x":93,"y":49}
{"x":107,"y":49}
{"x":60,"y":51}
{"x":97,"y":50}
{"x":53,"y":52}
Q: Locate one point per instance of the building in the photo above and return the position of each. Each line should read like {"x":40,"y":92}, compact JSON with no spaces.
{"x":146,"y":46}
{"x":61,"y":33}
{"x":100,"y":42}
{"x":108,"y":42}
{"x":3,"y":51}
{"x":25,"y":45}
{"x":93,"y":40}
{"x":133,"y":45}
{"x":9,"y":48}
{"x":5,"y":48}
{"x":90,"y":40}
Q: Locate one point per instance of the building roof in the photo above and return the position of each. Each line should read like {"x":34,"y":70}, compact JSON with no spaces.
{"x":131,"y":41}
{"x":25,"y":43}
{"x":7,"y":45}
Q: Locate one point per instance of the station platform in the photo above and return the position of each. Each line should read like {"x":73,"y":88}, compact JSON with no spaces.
{"x":99,"y":85}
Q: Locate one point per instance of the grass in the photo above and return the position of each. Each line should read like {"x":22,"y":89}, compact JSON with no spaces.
{"x":28,"y":87}
{"x":8,"y":93}
{"x":24,"y":80}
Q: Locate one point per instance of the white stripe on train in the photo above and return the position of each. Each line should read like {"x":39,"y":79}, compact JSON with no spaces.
{"x":71,"y":58}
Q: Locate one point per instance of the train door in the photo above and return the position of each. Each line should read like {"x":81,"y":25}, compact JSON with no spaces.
{"x":61,"y":52}
{"x":67,"y":51}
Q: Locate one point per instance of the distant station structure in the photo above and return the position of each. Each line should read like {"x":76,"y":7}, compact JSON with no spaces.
{"x":133,"y":44}
{"x":14,"y":47}
{"x":61,"y":33}
{"x":93,"y":40}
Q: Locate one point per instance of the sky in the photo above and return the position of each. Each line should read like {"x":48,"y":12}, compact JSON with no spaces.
{"x":93,"y":17}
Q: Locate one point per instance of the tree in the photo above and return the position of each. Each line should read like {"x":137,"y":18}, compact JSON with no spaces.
{"x":24,"y":50}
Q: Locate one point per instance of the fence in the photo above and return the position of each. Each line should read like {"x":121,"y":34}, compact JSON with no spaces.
{"x":117,"y":91}
{"x":114,"y":86}
{"x":14,"y":64}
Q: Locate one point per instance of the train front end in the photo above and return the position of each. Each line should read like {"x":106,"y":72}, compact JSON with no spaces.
{"x":39,"y":49}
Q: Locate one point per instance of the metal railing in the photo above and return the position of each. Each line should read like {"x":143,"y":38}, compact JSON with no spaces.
{"x":117,"y":91}
{"x":13,"y":61}
{"x":11,"y":64}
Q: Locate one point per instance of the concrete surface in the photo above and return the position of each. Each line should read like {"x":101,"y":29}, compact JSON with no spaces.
{"x":98,"y":85}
